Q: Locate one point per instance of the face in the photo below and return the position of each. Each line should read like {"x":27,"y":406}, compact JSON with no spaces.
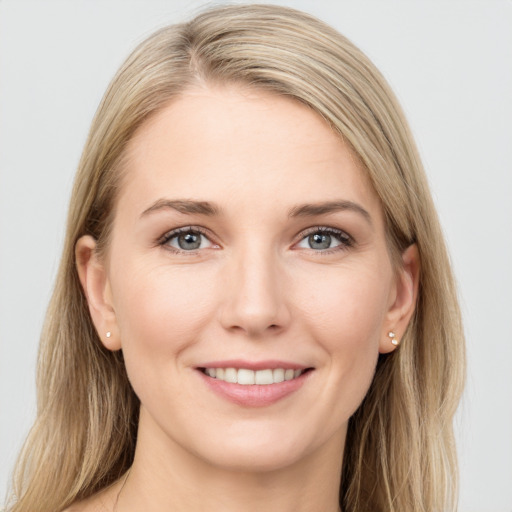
{"x":248,"y":280}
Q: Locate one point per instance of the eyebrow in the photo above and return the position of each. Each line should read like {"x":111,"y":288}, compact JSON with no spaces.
{"x":188,"y":206}
{"x":311,"y":210}
{"x":184,"y":206}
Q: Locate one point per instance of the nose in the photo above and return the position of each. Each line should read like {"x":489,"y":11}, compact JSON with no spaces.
{"x":254,"y":299}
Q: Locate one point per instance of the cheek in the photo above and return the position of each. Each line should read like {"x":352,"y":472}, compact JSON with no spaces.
{"x":160,"y":312}
{"x":347,"y":307}
{"x":346,"y":315}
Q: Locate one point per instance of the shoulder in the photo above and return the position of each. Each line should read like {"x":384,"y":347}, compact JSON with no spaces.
{"x":88,"y":506}
{"x":101,"y":502}
{"x":85,"y":506}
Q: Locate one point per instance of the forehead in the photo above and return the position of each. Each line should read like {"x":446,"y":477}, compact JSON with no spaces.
{"x":250,"y":149}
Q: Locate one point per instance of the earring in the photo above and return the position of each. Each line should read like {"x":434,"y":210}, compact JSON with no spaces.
{"x":108,"y":334}
{"x":394,"y":341}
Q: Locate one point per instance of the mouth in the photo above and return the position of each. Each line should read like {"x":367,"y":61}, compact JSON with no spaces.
{"x":254,"y":383}
{"x":248,"y":377}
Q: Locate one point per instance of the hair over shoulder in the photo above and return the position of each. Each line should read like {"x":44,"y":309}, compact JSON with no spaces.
{"x":400,"y":451}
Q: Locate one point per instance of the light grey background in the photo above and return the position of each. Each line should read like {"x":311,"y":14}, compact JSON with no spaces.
{"x":450,"y":63}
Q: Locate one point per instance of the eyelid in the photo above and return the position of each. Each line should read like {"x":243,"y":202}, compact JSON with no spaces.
{"x":162,"y":241}
{"x":345,"y":239}
{"x":324,"y":229}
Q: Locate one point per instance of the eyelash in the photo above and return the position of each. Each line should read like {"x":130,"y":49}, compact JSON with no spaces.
{"x":346,"y":241}
{"x":176,"y":232}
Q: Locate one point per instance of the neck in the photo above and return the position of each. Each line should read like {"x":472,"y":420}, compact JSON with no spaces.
{"x":166,"y":477}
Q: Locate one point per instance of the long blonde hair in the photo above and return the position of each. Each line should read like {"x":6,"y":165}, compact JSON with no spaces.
{"x":400,"y":453}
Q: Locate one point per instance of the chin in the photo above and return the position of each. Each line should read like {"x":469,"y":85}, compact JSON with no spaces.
{"x":254,"y":459}
{"x":260,"y":450}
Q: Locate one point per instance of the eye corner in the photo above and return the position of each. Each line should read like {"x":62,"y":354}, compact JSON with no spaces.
{"x":328,"y":234}
{"x":174,"y":234}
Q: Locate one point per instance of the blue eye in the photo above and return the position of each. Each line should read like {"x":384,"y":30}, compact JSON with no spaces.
{"x":186,"y":239}
{"x":319,"y":239}
{"x":323,"y":239}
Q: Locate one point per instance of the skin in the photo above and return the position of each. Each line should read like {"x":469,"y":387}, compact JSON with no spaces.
{"x":254,"y":290}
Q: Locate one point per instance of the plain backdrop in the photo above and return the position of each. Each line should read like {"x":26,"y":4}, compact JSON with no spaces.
{"x":449,"y":62}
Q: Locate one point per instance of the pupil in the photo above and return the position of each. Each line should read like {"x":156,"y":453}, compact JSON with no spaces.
{"x":319,"y":241}
{"x":189,"y":241}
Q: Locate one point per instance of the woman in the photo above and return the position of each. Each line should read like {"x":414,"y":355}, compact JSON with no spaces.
{"x":254,"y":306}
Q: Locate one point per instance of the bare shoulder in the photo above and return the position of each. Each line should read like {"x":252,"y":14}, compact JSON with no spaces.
{"x":87,"y":506}
{"x":100,"y":502}
{"x":76,"y":507}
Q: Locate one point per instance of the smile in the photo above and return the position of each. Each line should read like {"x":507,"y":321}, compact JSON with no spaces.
{"x":247,"y":377}
{"x":254,"y":383}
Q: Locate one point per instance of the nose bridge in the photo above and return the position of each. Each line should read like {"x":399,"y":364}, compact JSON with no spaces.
{"x":254,"y":302}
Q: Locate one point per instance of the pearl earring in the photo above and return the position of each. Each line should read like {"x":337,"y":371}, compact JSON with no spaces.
{"x":394,"y":341}
{"x":108,"y":334}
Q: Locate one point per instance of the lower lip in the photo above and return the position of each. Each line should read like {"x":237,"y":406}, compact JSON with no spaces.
{"x":255,"y":395}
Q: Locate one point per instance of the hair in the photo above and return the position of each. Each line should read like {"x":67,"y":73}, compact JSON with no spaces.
{"x":400,"y":452}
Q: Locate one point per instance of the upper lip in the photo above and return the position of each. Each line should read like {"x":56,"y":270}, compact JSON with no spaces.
{"x":270,"y":364}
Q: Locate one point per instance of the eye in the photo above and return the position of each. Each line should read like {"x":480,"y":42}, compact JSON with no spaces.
{"x":323,"y":239}
{"x":186,"y":240}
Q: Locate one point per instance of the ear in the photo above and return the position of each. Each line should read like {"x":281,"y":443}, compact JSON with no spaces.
{"x":94,"y":279}
{"x":402,"y":300}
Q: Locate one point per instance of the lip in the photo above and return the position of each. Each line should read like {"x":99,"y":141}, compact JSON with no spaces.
{"x":270,"y":364}
{"x":254,"y":395}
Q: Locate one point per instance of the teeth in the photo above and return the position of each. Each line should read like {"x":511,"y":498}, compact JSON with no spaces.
{"x":278,"y":375}
{"x":230,"y":375}
{"x":250,"y":377}
{"x":263,"y":377}
{"x":245,"y":376}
